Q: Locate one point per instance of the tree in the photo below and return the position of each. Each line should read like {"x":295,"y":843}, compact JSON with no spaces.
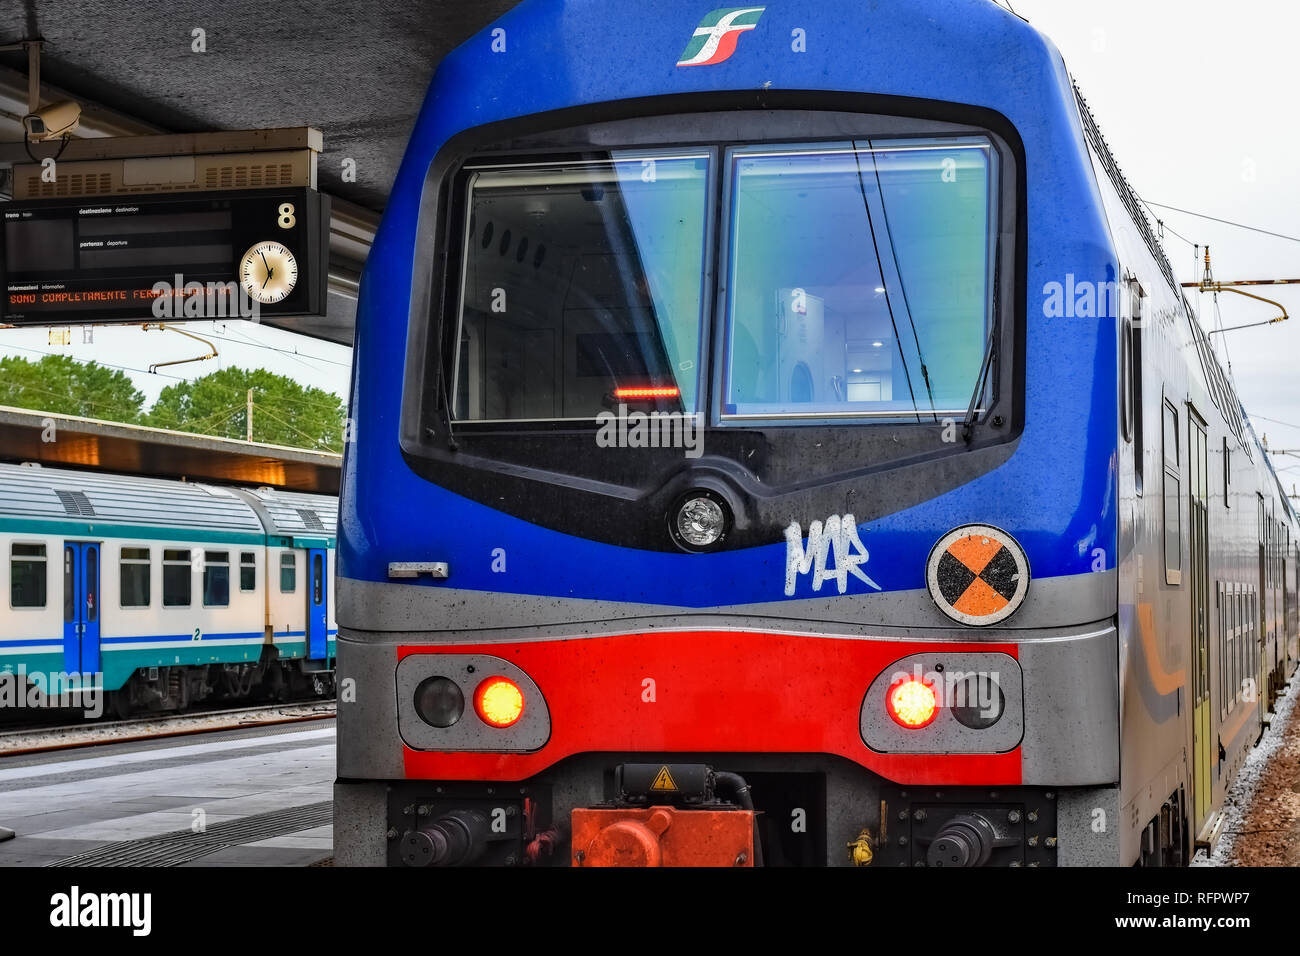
{"x":284,"y":412}
{"x":64,"y":386}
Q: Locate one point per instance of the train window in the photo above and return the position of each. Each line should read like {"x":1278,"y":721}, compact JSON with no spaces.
{"x":1227,"y":648}
{"x":1223,"y":647}
{"x":1226,"y":644}
{"x":1227,"y":473}
{"x":288,"y":572}
{"x":92,"y":584}
{"x":69,"y":583}
{"x":1126,"y":380}
{"x":27,"y":575}
{"x":1240,"y":633}
{"x":1136,"y":310}
{"x":1252,"y":657}
{"x":216,"y":578}
{"x":134,"y":569}
{"x":1173,"y":498}
{"x":247,"y":571}
{"x":317,"y":580}
{"x":581,"y":287}
{"x":176,"y":578}
{"x":860,"y":278}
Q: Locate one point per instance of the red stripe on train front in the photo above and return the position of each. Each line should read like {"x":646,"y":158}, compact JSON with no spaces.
{"x":713,"y":691}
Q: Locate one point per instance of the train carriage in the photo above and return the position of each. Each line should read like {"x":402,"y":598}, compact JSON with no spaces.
{"x":801,"y":452}
{"x":163,"y":593}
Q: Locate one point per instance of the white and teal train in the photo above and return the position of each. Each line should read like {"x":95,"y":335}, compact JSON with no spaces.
{"x":164,"y":593}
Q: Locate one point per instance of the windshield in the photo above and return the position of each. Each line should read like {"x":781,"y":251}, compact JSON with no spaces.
{"x":859,"y":278}
{"x":582,"y":287}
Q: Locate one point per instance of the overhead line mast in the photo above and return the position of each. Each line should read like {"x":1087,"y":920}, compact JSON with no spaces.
{"x":1209,"y":284}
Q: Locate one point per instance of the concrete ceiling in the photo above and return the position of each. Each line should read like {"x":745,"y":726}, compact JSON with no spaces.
{"x":355,"y":70}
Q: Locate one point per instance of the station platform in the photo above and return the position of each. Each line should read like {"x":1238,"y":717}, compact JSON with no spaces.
{"x":255,"y":797}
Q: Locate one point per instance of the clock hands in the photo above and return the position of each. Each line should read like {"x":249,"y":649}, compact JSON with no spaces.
{"x":279,"y":274}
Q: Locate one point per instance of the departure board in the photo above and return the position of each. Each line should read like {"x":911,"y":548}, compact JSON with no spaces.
{"x":110,"y":259}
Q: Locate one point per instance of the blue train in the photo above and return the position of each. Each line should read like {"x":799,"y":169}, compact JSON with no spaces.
{"x":145,"y":594}
{"x":799,"y":451}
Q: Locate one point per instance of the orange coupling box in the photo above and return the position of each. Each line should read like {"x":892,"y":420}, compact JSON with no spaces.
{"x":663,"y":836}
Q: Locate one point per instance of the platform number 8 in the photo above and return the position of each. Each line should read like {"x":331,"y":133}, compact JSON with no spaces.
{"x":287,"y":219}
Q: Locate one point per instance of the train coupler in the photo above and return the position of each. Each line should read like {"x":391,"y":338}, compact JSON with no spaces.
{"x":668,"y":815}
{"x":663,"y":836}
{"x":967,"y":826}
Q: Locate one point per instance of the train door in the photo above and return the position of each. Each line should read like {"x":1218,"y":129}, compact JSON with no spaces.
{"x":1293,"y":622}
{"x":80,"y":607}
{"x":1198,"y":540}
{"x":1259,"y":620}
{"x":1270,"y":604}
{"x":317,"y":602}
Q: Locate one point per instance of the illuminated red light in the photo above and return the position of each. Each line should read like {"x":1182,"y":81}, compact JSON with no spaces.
{"x":499,"y":701}
{"x":651,"y":391}
{"x":912,"y":703}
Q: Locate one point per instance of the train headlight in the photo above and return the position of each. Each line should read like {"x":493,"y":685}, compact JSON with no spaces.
{"x":979,"y":702}
{"x":700,"y":522}
{"x":439,"y":701}
{"x":499,"y":701}
{"x":912,"y":702}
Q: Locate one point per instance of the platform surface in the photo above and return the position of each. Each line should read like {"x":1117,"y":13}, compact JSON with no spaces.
{"x":242,"y":798}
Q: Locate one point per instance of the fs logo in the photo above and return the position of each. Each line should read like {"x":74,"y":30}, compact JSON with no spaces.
{"x":715,"y":38}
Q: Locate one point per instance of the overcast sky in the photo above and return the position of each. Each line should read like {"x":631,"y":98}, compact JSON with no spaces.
{"x":1196,"y":98}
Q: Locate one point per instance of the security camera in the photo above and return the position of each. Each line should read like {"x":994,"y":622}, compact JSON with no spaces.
{"x":52,"y":122}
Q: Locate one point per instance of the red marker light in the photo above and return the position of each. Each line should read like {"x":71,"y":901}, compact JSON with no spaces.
{"x":650,"y":391}
{"x":912,"y":703}
{"x":499,"y":701}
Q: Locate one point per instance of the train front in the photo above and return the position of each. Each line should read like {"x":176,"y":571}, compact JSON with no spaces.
{"x":723,"y":492}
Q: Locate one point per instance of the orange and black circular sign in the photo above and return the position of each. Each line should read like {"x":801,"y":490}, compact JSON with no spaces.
{"x":978,"y":574}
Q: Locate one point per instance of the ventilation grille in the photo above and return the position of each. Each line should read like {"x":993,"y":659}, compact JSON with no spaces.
{"x":278,"y":169}
{"x":248,"y":176}
{"x":310,"y":519}
{"x":76,"y":503}
{"x":72,"y":184}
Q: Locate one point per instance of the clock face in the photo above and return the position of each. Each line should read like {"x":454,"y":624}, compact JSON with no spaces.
{"x":268,"y":272}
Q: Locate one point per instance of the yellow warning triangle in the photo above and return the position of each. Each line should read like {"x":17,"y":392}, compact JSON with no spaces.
{"x":663,"y":781}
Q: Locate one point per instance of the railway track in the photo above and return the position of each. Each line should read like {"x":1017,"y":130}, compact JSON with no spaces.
{"x":37,"y":740}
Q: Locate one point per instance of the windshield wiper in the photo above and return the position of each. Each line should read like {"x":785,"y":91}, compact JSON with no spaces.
{"x":990,"y":350}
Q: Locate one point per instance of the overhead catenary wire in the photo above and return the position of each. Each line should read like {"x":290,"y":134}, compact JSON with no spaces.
{"x":81,"y":401}
{"x":1275,"y":421}
{"x":315,"y":441}
{"x":178,"y":378}
{"x":342,"y":407}
{"x":1226,"y":222}
{"x":1164,"y":226}
{"x":1218,"y":324}
{"x":253,"y":343}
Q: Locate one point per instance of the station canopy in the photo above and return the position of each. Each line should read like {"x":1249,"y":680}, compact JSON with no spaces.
{"x":355,"y":71}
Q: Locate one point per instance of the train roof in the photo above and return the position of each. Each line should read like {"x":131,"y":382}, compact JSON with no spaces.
{"x":36,"y":498}
{"x":295,"y":513}
{"x":546,"y":55}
